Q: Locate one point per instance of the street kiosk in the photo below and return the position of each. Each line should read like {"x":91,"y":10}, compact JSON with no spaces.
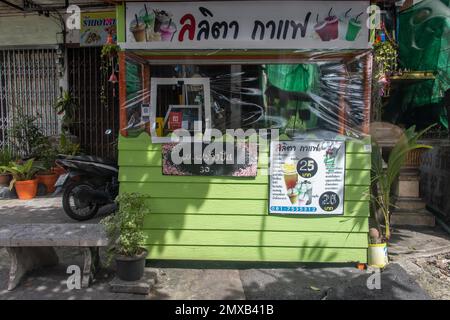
{"x":245,"y":124}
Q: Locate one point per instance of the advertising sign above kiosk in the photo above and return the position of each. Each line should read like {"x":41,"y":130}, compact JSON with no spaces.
{"x":256,"y":25}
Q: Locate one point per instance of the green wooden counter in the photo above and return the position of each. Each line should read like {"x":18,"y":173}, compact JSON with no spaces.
{"x":226,"y":218}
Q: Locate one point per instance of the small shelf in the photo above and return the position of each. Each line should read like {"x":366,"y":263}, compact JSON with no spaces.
{"x":414,"y":76}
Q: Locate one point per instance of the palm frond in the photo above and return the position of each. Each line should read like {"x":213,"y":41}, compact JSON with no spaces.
{"x":384,"y":178}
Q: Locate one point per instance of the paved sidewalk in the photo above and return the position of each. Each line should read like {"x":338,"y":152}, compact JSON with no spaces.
{"x":293,"y":281}
{"x":425,"y":254}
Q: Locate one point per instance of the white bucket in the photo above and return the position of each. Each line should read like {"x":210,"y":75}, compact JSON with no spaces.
{"x":378,"y":255}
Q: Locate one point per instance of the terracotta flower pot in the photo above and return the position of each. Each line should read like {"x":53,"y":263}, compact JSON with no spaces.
{"x":27,"y":189}
{"x":58,"y":170}
{"x":5,"y":178}
{"x":48,"y":180}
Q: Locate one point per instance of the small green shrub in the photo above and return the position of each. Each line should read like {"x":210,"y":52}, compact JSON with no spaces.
{"x":67,"y":147}
{"x":66,"y":105}
{"x":26,"y":135}
{"x":124,"y":227}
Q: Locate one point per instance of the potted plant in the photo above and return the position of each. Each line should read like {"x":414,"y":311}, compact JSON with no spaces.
{"x":6,"y":157}
{"x":126,"y":237}
{"x":108,"y":68}
{"x":385,"y":64}
{"x":66,"y":105}
{"x":26,"y":135}
{"x":383,"y":177}
{"x":66,"y":146}
{"x":47,"y":176}
{"x":23,"y":178}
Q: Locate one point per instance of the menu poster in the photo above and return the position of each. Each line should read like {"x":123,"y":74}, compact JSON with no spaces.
{"x":307,"y":177}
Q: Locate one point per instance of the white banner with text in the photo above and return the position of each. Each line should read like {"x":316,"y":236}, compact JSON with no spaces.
{"x":299,"y":25}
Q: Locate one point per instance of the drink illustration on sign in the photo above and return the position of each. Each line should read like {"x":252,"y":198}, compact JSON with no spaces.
{"x":152,"y":25}
{"x":299,"y":192}
{"x":329,"y":28}
{"x":333,"y":28}
{"x":332,"y":150}
{"x":291,"y":180}
{"x":354,"y":28}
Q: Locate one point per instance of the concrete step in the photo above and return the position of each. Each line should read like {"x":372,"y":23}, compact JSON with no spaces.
{"x":412,"y":218}
{"x":407,"y":186}
{"x":407,"y":203}
{"x":407,"y":189}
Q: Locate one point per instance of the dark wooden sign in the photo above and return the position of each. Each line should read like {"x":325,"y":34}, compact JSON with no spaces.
{"x":210,"y":159}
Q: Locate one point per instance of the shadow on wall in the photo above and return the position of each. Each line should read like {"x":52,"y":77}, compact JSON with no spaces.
{"x":174,"y":222}
{"x":223,"y":214}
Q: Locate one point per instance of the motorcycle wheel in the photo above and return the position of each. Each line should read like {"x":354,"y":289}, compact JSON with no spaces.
{"x":74,"y":207}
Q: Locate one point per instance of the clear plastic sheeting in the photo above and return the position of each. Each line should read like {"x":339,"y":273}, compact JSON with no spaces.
{"x":423,"y":46}
{"x":311,"y":98}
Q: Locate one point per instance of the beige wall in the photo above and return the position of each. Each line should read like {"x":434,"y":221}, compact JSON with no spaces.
{"x":29,"y":30}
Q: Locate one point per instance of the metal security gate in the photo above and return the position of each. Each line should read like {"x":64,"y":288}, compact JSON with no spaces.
{"x":28,"y":83}
{"x":93,"y":118}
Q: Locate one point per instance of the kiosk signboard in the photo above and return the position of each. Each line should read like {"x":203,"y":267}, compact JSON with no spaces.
{"x":255,"y":25}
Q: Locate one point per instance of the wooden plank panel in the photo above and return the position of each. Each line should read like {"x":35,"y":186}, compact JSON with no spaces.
{"x":274,"y":254}
{"x":358,"y":146}
{"x":255,"y":223}
{"x":258,"y":239}
{"x":140,"y":143}
{"x":152,"y":158}
{"x":154,"y":174}
{"x":357,"y":177}
{"x":234,"y":207}
{"x":143,"y":142}
{"x":358,"y":161}
{"x":220,"y":191}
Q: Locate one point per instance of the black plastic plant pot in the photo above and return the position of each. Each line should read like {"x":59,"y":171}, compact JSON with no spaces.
{"x":131,"y":268}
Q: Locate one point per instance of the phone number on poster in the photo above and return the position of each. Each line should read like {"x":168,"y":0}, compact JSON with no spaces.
{"x":293,"y":209}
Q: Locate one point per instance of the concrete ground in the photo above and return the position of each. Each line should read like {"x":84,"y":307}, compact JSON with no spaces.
{"x":190,"y":280}
{"x":425,"y":254}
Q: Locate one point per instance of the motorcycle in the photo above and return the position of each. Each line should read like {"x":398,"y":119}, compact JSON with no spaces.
{"x":89,"y":183}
